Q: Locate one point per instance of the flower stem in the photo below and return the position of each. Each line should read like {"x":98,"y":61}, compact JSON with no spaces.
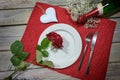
{"x":10,"y":76}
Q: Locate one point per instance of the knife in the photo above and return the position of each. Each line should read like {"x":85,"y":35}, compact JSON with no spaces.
{"x":94,"y":39}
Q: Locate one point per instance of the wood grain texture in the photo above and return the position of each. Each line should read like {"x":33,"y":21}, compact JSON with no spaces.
{"x":113,"y":69}
{"x":113,"y":72}
{"x":115,"y":53}
{"x":11,"y":4}
{"x":39,"y":74}
{"x":13,"y":17}
{"x":6,"y":55}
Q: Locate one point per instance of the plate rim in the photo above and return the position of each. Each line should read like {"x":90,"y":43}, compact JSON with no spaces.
{"x":71,"y":28}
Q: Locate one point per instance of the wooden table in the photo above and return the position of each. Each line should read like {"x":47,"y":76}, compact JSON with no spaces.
{"x":14,"y":15}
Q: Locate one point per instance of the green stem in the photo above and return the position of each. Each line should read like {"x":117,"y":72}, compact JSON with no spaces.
{"x":14,"y":72}
{"x":10,"y":76}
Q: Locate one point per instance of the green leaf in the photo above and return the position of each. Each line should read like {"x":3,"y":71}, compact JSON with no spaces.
{"x":22,"y":66}
{"x":38,"y":56}
{"x":16,"y":47}
{"x":47,"y":63}
{"x":15,"y":61}
{"x":38,"y":47}
{"x":22,"y":56}
{"x":45,"y":53}
{"x":45,"y":43}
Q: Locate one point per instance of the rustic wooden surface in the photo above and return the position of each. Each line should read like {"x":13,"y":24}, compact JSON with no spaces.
{"x":14,"y":15}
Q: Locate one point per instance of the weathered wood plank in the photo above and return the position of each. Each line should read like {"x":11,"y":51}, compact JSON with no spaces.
{"x":13,"y":17}
{"x":6,"y":64}
{"x":42,"y":74}
{"x":39,"y":74}
{"x":113,"y":67}
{"x":116,"y":36}
{"x":9,"y":4}
{"x":6,"y":41}
{"x":115,"y":15}
{"x":9,"y":34}
{"x":115,"y":53}
{"x":113,"y":78}
{"x":10,"y":31}
{"x":117,"y":22}
{"x":5,"y":56}
{"x":5,"y":60}
{"x":113,"y":72}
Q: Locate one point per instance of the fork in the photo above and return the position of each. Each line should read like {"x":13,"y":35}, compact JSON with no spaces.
{"x":87,"y":39}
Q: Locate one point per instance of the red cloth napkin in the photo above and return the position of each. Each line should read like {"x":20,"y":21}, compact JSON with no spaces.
{"x":100,"y":59}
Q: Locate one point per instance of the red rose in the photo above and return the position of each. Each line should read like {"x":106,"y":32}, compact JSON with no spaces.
{"x":56,"y":39}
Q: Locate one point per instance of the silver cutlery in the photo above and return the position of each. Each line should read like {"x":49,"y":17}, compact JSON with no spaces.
{"x":87,"y":39}
{"x":94,"y":39}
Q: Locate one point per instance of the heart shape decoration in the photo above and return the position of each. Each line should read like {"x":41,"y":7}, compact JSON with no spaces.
{"x":49,"y":16}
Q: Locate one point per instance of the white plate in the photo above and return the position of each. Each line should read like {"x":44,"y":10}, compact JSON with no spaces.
{"x":72,"y":45}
